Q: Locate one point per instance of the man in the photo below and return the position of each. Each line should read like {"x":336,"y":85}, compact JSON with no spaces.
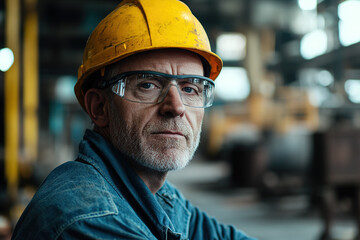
{"x":143,"y":85}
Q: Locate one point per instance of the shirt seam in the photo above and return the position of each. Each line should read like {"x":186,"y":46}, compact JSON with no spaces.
{"x":93,"y":214}
{"x":171,"y":196}
{"x":75,"y":219}
{"x":98,"y":169}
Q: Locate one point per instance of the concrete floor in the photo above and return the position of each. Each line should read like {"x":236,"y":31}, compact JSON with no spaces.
{"x":286,"y":218}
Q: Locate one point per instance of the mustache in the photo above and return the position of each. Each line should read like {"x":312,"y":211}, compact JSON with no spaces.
{"x":170,"y":125}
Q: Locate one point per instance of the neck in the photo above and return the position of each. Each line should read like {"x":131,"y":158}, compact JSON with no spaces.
{"x":154,"y":180}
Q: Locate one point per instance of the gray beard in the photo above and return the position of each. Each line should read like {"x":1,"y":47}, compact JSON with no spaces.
{"x":154,"y":156}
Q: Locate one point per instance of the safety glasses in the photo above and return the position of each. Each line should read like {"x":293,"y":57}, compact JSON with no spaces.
{"x":152,"y":87}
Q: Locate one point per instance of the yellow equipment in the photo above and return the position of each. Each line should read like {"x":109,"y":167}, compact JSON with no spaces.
{"x":142,"y":25}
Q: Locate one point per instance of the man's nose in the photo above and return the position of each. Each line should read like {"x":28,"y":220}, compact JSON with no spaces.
{"x":172,"y":104}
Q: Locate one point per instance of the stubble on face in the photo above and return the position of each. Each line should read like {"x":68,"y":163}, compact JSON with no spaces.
{"x":161,"y":154}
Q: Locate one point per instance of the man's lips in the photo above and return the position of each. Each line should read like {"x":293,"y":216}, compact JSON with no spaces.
{"x":169,"y":133}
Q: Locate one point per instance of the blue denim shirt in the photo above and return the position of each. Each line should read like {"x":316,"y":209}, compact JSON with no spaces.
{"x":99,"y":196}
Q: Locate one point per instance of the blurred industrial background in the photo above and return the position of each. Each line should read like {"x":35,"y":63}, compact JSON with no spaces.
{"x":280,"y":151}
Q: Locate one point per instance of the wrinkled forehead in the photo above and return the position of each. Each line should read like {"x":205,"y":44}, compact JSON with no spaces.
{"x":170,"y":61}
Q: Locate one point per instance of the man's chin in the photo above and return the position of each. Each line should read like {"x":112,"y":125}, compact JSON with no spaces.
{"x":170,"y":160}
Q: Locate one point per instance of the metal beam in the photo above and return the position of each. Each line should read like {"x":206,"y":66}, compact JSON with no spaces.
{"x":31,"y":79}
{"x":12,"y":82}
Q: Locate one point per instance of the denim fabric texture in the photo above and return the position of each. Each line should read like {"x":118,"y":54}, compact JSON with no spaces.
{"x":99,"y":196}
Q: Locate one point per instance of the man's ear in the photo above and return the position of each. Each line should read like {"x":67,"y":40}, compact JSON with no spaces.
{"x":96,"y":105}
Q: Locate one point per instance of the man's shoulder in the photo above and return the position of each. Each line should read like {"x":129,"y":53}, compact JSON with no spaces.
{"x":74,"y":181}
{"x":72,"y":192}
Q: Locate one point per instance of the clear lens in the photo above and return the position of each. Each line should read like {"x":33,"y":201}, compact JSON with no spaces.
{"x":152,"y":87}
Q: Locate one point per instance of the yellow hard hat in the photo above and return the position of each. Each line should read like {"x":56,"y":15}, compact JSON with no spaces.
{"x":143,"y":25}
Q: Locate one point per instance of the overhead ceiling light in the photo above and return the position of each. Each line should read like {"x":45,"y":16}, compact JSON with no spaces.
{"x":303,"y":22}
{"x":6,"y":59}
{"x":313,"y":44}
{"x":349,"y":17}
{"x":232,"y":84}
{"x":231,"y":46}
{"x":64,"y":89}
{"x":352,"y":88}
{"x":348,"y":32}
{"x":307,"y":5}
{"x":349,"y":10}
{"x":324,"y":78}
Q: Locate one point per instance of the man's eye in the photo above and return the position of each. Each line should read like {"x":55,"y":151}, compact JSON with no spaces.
{"x":147,"y":85}
{"x":189,"y":90}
